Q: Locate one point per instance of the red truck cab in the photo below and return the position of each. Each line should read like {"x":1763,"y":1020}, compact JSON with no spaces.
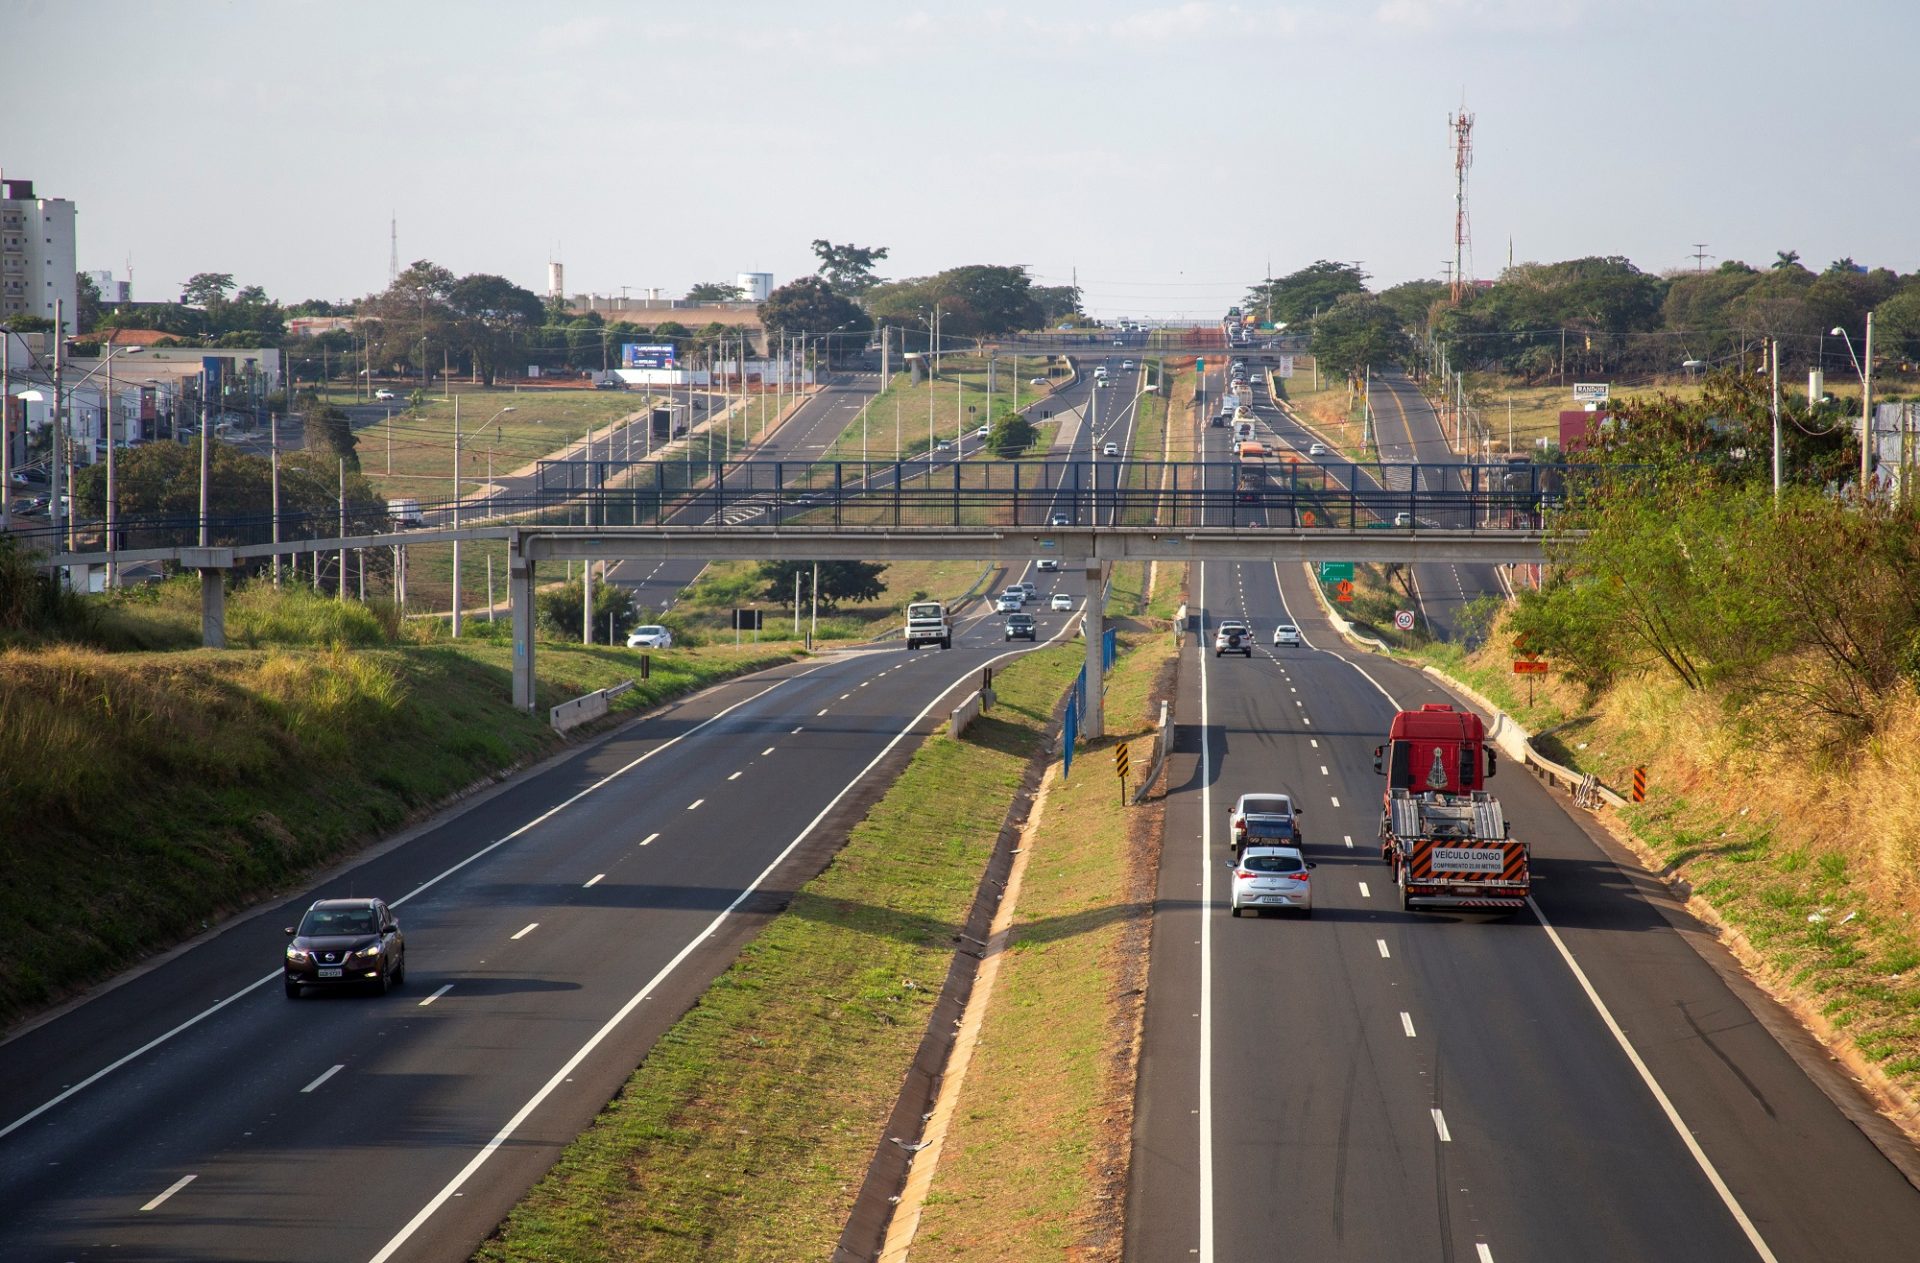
{"x":1435,"y":749}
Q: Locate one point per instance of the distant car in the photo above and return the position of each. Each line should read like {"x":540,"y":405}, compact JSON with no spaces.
{"x":1233,"y":636}
{"x":1119,"y":341}
{"x":1271,"y":877}
{"x":404,"y":512}
{"x":944,"y":445}
{"x":1037,"y":381}
{"x":1126,"y":363}
{"x":1059,"y":519}
{"x":1021,"y":626}
{"x":1028,"y":588}
{"x":1008,"y":604}
{"x":345,"y":942}
{"x":1060,"y":601}
{"x":650,"y":636}
{"x":1263,"y":820}
{"x":1103,"y":381}
{"x":384,"y":393}
{"x":1286,"y":634}
{"x":1109,"y":449}
{"x":983,"y":432}
{"x":1403,"y":519}
{"x":1317,"y":449}
{"x":1047,"y":563}
{"x":31,"y":506}
{"x":611,"y":383}
{"x":32,"y":476}
{"x":1017,"y":592}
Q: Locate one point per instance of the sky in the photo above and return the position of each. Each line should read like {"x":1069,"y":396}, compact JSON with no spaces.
{"x":1165,"y":155}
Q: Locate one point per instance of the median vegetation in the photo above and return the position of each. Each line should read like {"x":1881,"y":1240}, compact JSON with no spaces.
{"x":150,"y":791}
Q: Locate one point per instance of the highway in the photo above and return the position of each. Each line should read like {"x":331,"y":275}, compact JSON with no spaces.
{"x":1589,"y":1080}
{"x":556,"y":925}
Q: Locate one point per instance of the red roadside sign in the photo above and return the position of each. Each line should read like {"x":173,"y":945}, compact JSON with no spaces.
{"x":1529,"y":666}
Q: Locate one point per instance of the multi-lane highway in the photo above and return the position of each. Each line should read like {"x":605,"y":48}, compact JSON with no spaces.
{"x":556,"y":925}
{"x":1590,"y":1079}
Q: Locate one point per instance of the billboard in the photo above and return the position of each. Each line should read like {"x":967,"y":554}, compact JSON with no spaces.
{"x":646,"y":355}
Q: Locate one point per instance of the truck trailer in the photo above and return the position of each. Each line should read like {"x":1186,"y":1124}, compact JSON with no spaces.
{"x":1441,"y":830}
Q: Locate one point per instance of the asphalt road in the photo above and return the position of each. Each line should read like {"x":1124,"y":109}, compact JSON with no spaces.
{"x":1377,"y":1084}
{"x":556,"y":926}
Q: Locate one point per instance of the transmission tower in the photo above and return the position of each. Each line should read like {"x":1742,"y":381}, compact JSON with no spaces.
{"x":393,"y":249}
{"x":1462,"y":127}
{"x":1700,"y":257}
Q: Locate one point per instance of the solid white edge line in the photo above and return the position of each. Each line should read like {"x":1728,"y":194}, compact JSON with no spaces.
{"x":324,"y":1076}
{"x":1406,"y":1023}
{"x":436,"y":995}
{"x":172,"y":1188}
{"x":531,"y":927}
{"x":612,"y":1023}
{"x":1659,"y":1094}
{"x":1440,"y":1126}
{"x":1206,"y":938}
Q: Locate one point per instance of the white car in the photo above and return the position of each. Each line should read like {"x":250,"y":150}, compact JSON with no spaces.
{"x":1060,"y":601}
{"x":1008,"y":604}
{"x":1286,"y":634}
{"x":1059,"y":519}
{"x":1047,"y":563}
{"x":384,"y":393}
{"x":983,"y":432}
{"x":1403,"y":519}
{"x":1233,"y":636}
{"x":1037,"y":381}
{"x":1126,"y":363}
{"x":1109,"y":449}
{"x":650,"y":636}
{"x":1271,"y":877}
{"x":1318,"y":449}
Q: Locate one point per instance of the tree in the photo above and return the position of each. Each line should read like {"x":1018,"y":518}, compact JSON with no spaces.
{"x":848,"y":268}
{"x":87,"y":318}
{"x":1059,"y":303}
{"x":810,"y":305}
{"x":1012,"y":435}
{"x":204,"y":288}
{"x":839,"y":581}
{"x":1294,"y":298}
{"x":979,"y":300}
{"x":559,"y":610}
{"x":1358,"y":332}
{"x":1784,"y":259}
{"x":27,"y":324}
{"x":494,"y":316}
{"x":714,"y":292}
{"x":328,"y":431}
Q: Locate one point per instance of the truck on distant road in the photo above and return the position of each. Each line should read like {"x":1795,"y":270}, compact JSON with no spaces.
{"x":1440,"y":828}
{"x":928,"y":624}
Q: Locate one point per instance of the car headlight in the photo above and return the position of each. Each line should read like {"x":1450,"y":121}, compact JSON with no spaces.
{"x":298,"y":956}
{"x":369,"y":952}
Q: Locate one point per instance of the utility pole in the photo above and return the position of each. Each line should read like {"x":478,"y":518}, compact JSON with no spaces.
{"x":813,"y":617}
{"x":456,"y":515}
{"x":1866,"y":413}
{"x":340,"y":583}
{"x":6,"y":427}
{"x":61,"y":482}
{"x":206,"y":482}
{"x":1773,"y":358}
{"x":273,"y":458}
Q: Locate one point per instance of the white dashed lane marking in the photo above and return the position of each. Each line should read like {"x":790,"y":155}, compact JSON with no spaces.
{"x":171,"y":1189}
{"x":1382,"y":945}
{"x":436,"y":995}
{"x":324,"y":1076}
{"x":594,"y":880}
{"x":530,"y":928}
{"x":1406,"y":1024}
{"x":1440,"y":1125}
{"x":650,"y":837}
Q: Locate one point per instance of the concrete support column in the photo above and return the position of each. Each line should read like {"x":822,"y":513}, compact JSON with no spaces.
{"x":213,"y":608}
{"x":520,"y":585}
{"x":1094,"y":624}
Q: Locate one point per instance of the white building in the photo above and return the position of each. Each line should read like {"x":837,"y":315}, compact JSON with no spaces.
{"x":111,"y":291}
{"x":37,"y":267}
{"x":755,"y":287}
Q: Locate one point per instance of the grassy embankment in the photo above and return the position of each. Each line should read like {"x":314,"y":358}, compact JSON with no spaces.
{"x":148,"y":793}
{"x":1812,"y":858}
{"x":747,"y":1131}
{"x":896,"y":420}
{"x":1329,"y":405}
{"x":728,"y":585}
{"x":1035,"y":1163}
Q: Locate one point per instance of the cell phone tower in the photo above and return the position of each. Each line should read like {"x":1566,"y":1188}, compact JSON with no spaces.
{"x":393,"y":249}
{"x":1462,"y":127}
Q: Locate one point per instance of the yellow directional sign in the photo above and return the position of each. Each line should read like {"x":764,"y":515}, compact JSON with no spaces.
{"x":1120,"y":763}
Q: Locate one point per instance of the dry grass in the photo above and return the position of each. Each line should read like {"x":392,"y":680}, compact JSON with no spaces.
{"x":1035,"y":1164}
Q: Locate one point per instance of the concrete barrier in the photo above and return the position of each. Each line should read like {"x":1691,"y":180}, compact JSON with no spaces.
{"x":1162,"y":743}
{"x":571,"y":714}
{"x":964,"y":714}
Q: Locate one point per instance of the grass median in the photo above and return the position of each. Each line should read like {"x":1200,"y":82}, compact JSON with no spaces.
{"x":746,"y":1133}
{"x":1034,"y":1166}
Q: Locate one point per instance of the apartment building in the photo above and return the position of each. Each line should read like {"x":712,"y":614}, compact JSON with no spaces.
{"x":37,"y":267}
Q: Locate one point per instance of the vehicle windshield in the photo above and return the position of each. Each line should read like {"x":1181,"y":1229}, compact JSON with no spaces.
{"x":1273,"y":863}
{"x":651,"y":629}
{"x":322,"y":921}
{"x":923,"y":610}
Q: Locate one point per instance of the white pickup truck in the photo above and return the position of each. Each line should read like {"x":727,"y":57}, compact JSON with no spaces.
{"x":928,"y":624}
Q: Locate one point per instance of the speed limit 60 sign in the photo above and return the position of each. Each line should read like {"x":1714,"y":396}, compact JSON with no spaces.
{"x":1403,"y":619}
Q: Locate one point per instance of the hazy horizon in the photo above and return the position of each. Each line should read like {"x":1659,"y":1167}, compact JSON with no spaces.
{"x":1167,"y":155}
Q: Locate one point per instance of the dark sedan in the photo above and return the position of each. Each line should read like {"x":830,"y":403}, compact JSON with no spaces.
{"x":346,"y":942}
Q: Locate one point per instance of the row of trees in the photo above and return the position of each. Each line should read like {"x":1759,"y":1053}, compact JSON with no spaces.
{"x":1600,"y":316}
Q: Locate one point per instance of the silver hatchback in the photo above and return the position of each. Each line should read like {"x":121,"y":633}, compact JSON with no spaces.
{"x":1271,"y":877}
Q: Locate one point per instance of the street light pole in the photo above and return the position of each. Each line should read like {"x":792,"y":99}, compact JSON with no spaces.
{"x":456,"y":500}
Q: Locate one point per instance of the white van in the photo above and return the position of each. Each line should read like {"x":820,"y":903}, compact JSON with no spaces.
{"x":403,"y":512}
